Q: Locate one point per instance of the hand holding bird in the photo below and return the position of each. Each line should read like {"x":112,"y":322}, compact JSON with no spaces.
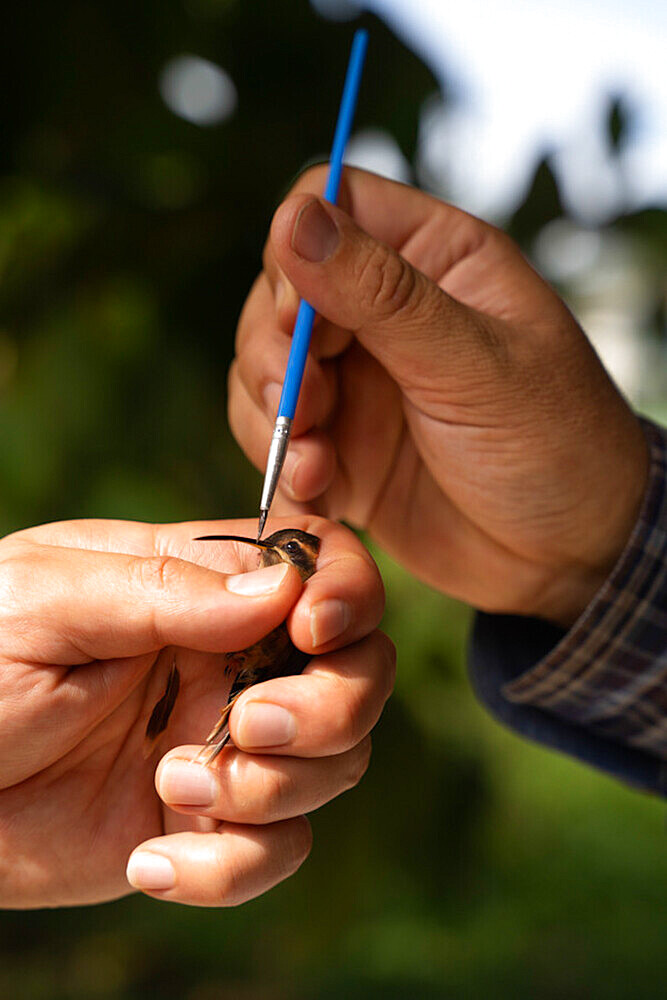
{"x":274,"y":655}
{"x":94,"y":615}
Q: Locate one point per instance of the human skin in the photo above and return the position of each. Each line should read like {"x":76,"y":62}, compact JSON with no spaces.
{"x":451,"y":406}
{"x":92,"y":616}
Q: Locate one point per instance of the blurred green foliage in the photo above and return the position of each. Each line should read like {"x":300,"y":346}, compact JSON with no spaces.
{"x":468,"y":864}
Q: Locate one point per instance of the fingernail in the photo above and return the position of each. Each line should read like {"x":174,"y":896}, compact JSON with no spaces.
{"x":258,"y":582}
{"x":185,"y":783}
{"x":271,"y":396}
{"x":329,"y":619}
{"x":315,"y":235}
{"x":146,"y":870}
{"x":264,"y":725}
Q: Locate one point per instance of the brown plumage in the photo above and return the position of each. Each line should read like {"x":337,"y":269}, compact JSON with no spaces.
{"x":273,"y":656}
{"x":163,"y":709}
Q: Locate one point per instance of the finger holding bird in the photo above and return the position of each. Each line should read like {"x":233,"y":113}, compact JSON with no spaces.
{"x":334,"y":703}
{"x":333,"y":706}
{"x":341,"y":603}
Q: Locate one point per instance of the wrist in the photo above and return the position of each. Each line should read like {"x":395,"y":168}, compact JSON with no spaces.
{"x":602,"y":540}
{"x":568,"y":596}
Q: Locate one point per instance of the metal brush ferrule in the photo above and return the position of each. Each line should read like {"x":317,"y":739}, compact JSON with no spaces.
{"x":275,"y":461}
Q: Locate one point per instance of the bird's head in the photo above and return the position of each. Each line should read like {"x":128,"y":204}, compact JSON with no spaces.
{"x":290,"y":545}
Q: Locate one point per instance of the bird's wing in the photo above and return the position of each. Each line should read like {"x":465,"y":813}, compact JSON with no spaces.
{"x":272,"y":656}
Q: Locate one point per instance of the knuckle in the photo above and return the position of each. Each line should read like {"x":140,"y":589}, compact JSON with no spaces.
{"x":388,"y":653}
{"x":156,"y":573}
{"x":158,"y":577}
{"x":237,"y":424}
{"x":275,"y":789}
{"x":299,"y":843}
{"x":358,"y":763}
{"x":386,"y":281}
{"x":155,"y":576}
{"x":233,"y":377}
{"x":351,"y":714}
{"x":498,"y":241}
{"x":294,"y":843}
{"x":236,"y":400}
{"x":310,"y":179}
{"x":228,"y":878}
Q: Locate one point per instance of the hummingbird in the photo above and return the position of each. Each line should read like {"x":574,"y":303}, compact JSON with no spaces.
{"x":273,"y":656}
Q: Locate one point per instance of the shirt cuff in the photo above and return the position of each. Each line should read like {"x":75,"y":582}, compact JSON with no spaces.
{"x":608,"y":673}
{"x":501,"y":648}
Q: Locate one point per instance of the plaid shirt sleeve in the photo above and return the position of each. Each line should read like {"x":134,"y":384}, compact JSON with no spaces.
{"x":605,"y":680}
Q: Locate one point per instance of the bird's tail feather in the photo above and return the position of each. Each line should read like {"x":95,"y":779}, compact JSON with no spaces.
{"x":219,"y":736}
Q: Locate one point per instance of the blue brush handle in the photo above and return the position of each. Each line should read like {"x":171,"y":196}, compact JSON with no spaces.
{"x":303,"y":326}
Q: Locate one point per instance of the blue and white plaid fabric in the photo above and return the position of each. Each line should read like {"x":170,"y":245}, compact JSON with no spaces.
{"x":609,"y":672}
{"x":599,"y":690}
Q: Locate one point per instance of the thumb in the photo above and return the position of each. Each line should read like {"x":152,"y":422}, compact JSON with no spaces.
{"x":75,"y":605}
{"x":417,"y":331}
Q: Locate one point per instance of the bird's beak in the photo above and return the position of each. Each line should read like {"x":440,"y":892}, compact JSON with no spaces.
{"x":232,"y":538}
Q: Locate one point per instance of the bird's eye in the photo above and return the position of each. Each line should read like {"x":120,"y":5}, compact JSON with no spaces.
{"x":292,"y":548}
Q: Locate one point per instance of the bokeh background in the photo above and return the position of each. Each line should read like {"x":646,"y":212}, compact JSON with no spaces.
{"x":144,"y":147}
